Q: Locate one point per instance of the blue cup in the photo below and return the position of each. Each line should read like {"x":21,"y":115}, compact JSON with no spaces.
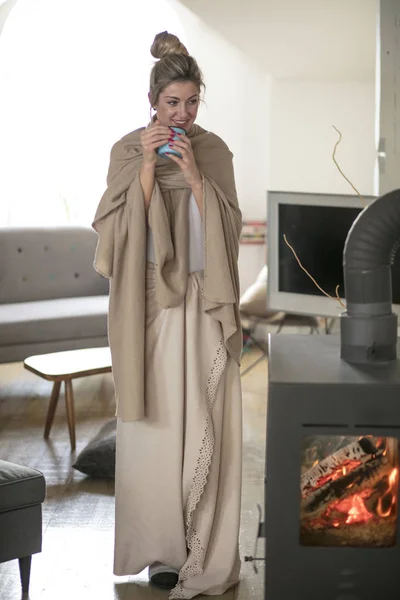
{"x":162,"y":150}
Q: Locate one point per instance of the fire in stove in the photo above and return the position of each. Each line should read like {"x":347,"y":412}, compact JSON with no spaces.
{"x":349,"y":491}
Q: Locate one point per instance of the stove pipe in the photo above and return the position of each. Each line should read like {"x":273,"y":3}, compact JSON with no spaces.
{"x":369,"y":327}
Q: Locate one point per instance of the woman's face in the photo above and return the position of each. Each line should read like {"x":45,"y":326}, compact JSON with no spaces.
{"x":178,"y":105}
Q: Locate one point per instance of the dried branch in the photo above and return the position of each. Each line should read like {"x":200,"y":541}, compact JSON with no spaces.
{"x":312,"y":278}
{"x":293,"y":250}
{"x":340,"y":170}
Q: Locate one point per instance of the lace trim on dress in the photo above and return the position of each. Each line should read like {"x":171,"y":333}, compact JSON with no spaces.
{"x":194,"y":565}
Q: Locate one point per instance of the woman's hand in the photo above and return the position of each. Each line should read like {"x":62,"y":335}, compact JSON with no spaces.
{"x":151,"y":138}
{"x":187,"y":163}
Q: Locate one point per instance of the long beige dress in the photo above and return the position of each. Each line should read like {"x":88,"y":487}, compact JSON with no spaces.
{"x":178,"y":472}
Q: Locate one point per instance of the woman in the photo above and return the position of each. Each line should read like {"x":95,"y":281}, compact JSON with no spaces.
{"x":168,"y":241}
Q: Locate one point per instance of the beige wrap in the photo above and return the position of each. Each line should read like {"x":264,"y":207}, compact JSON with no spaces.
{"x":121,"y":223}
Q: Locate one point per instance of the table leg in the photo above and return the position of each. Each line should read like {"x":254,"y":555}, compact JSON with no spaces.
{"x":52,"y":408}
{"x":69,"y":405}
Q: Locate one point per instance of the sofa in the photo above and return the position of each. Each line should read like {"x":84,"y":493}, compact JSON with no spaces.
{"x":51,"y":298}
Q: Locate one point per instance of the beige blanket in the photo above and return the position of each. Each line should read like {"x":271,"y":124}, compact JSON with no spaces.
{"x":121,"y":223}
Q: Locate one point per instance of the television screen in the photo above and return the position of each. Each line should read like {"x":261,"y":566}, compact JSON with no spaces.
{"x":317,"y":234}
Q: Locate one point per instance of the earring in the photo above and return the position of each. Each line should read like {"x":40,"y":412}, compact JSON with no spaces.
{"x":151,"y":115}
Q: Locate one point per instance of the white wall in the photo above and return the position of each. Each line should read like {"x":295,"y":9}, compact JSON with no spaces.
{"x":313,"y":39}
{"x":238,"y":109}
{"x":280,"y":73}
{"x":303,"y":139}
{"x":318,"y":58}
{"x":237,"y":106}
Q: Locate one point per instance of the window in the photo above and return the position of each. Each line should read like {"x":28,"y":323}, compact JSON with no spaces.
{"x":73,"y":79}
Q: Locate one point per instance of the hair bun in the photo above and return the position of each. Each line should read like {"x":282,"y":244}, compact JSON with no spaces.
{"x":167,"y":43}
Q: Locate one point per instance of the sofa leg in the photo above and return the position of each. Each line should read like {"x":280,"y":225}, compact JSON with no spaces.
{"x":25,"y":572}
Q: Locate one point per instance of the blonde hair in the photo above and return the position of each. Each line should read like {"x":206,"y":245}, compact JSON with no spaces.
{"x":174,"y":64}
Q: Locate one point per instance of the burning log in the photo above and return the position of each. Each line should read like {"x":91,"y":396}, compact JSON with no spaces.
{"x":356,"y":481}
{"x":350,"y":497}
{"x":358,"y":452}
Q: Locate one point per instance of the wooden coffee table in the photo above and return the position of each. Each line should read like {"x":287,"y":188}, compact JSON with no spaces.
{"x":64,"y":367}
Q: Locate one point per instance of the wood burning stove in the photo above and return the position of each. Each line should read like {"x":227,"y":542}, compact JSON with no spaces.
{"x":333,"y":431}
{"x":332,"y":474}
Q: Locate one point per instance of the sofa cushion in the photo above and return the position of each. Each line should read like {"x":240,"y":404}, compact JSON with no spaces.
{"x":20,"y":486}
{"x":98,"y":458}
{"x":48,"y":320}
{"x":40,"y":263}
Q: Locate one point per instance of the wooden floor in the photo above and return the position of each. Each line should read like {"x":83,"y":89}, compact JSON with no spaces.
{"x":78,"y":513}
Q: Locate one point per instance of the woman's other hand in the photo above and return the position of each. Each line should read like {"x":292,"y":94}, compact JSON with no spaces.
{"x":152,"y":138}
{"x":187,"y":163}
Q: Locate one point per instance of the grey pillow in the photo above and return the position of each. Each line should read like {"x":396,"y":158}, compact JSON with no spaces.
{"x":98,"y":458}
